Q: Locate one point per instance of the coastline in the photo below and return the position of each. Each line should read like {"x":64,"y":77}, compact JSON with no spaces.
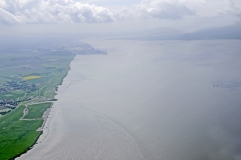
{"x":44,"y":128}
{"x":28,"y":149}
{"x":45,"y":117}
{"x":105,"y":100}
{"x":96,"y":135}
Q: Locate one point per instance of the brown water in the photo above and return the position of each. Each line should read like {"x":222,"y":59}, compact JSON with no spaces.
{"x":148,"y":100}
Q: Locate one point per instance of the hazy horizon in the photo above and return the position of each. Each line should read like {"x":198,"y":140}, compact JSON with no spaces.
{"x":77,"y":19}
{"x":149,"y":100}
{"x":151,"y":79}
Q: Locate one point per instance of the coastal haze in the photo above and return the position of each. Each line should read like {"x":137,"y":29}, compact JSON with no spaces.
{"x":147,"y":100}
{"x":149,"y":80}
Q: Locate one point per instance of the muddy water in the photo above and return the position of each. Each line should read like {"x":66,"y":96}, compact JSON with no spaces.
{"x":148,"y":100}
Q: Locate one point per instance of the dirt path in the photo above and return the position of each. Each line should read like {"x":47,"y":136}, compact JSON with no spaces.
{"x":44,"y":117}
{"x":25,"y":112}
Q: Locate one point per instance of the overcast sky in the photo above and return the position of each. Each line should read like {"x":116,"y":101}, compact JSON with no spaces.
{"x":102,"y":16}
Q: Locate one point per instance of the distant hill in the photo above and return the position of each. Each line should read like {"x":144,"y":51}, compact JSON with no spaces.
{"x":162,"y":31}
{"x":227,"y":32}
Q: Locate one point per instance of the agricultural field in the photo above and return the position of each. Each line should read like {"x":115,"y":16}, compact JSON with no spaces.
{"x":30,"y":75}
{"x":27,"y":76}
{"x":36,"y":110}
{"x":17,"y":136}
{"x":27,"y":73}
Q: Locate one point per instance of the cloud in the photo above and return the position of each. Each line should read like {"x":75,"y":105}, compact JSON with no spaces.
{"x":237,"y":10}
{"x":175,"y":9}
{"x":7,"y":18}
{"x":164,"y":9}
{"x":53,"y":11}
{"x":78,"y":12}
{"x":73,"y":11}
{"x":123,"y":13}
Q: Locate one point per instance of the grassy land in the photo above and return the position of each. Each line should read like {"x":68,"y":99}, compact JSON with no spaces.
{"x":37,"y":110}
{"x":5,"y":110}
{"x":45,"y":69}
{"x":12,"y":95}
{"x":17,"y":136}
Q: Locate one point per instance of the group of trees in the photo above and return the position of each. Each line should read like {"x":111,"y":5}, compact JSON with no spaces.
{"x":5,"y":112}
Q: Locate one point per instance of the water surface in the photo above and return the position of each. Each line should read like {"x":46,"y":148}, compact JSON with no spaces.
{"x":148,"y":100}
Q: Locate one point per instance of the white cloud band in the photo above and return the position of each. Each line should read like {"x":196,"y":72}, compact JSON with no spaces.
{"x":61,"y":11}
{"x":166,"y":9}
{"x":53,"y":11}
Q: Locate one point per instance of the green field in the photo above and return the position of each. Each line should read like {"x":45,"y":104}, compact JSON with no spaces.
{"x":17,"y":136}
{"x":12,"y":95}
{"x":5,"y":110}
{"x":28,"y":76}
{"x":45,"y":69}
{"x":37,"y":110}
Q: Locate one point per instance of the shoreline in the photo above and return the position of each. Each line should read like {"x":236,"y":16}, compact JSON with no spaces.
{"x":44,"y":127}
{"x":28,"y":149}
{"x":125,"y":87}
{"x":45,"y":117}
{"x":107,"y":128}
{"x":40,"y":129}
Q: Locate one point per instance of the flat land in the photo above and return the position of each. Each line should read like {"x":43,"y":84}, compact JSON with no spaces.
{"x":27,"y":76}
{"x":30,"y":74}
{"x":30,"y":77}
{"x":36,"y":111}
{"x":17,"y":136}
{"x":153,"y":95}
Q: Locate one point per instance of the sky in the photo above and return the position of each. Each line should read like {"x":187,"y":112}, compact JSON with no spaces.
{"x":100,"y":17}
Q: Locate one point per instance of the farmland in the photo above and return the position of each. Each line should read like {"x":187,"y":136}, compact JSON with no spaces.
{"x":17,"y":136}
{"x":31,"y":73}
{"x":29,"y":78}
{"x":37,"y":110}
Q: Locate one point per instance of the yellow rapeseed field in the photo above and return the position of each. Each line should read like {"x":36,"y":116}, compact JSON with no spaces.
{"x":30,"y":77}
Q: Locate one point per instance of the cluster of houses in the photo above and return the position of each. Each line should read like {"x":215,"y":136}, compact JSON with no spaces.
{"x":14,"y":86}
{"x":11,"y":87}
{"x":8,"y":103}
